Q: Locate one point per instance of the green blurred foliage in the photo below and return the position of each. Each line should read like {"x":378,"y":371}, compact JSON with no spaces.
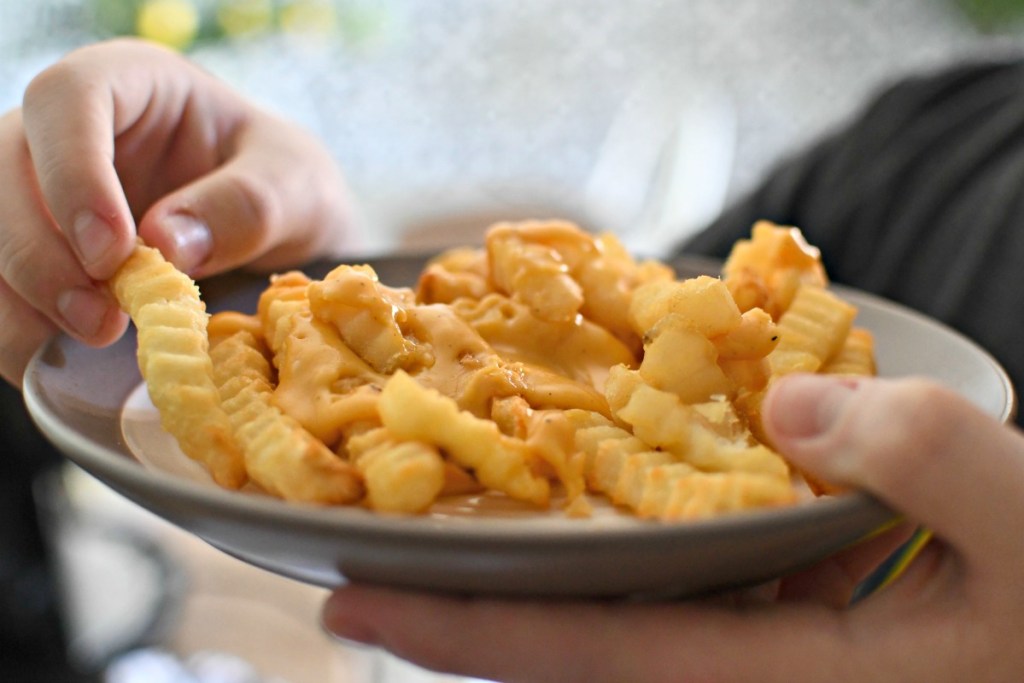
{"x":993,"y":16}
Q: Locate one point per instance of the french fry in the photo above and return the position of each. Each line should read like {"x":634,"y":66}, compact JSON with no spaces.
{"x":173,"y":356}
{"x":674,"y":493}
{"x":680,"y":359}
{"x":525,"y":265}
{"x":369,"y":317}
{"x":855,"y":357}
{"x":400,"y":476}
{"x":459,"y":273}
{"x":703,"y":302}
{"x":280,"y":456}
{"x":413,"y":412}
{"x":811,"y":331}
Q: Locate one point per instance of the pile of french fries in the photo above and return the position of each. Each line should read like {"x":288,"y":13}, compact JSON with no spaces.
{"x":548,"y":365}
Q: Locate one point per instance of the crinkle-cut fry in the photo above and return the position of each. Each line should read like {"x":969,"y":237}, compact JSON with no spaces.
{"x":609,"y":278}
{"x":704,"y":302}
{"x":604,"y":446}
{"x":400,"y":476}
{"x":629,"y":486}
{"x":767,"y":269}
{"x":458,"y":481}
{"x":226,"y":323}
{"x":526,"y":264}
{"x":682,"y":360}
{"x":661,"y":420}
{"x":321,"y":382}
{"x":656,"y":484}
{"x":173,"y":358}
{"x":512,"y":415}
{"x":459,"y":273}
{"x":604,"y":455}
{"x":283,"y":297}
{"x":551,"y":436}
{"x":772,"y":247}
{"x":754,"y":338}
{"x":676,"y":492}
{"x":369,"y":316}
{"x":811,"y":331}
{"x":747,"y":376}
{"x":411,"y":411}
{"x":469,"y":370}
{"x":620,"y":385}
{"x":579,"y":349}
{"x":464,"y":366}
{"x":280,"y":456}
{"x":544,"y":388}
{"x":855,"y":357}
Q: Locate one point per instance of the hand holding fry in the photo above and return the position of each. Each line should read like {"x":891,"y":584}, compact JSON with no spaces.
{"x":157,"y":148}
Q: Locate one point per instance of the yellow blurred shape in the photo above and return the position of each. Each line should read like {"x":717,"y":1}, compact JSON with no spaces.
{"x":174,"y":23}
{"x":309,"y":16}
{"x":245,"y":17}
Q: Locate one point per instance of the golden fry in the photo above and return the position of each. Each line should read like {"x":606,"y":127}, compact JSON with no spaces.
{"x":280,"y":456}
{"x":413,"y":412}
{"x":400,"y":476}
{"x":174,"y":361}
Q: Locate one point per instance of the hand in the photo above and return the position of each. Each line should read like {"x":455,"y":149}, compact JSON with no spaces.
{"x":955,"y":615}
{"x":126,"y":138}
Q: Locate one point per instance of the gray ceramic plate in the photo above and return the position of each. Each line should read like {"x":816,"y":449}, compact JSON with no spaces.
{"x":77,"y":395}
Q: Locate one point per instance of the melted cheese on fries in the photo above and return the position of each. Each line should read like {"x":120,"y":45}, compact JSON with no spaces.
{"x":548,"y":359}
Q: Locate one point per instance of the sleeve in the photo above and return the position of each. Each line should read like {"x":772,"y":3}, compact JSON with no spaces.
{"x":919,"y":199}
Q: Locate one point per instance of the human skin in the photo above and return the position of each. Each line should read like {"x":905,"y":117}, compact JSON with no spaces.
{"x":124,"y":139}
{"x":955,"y":615}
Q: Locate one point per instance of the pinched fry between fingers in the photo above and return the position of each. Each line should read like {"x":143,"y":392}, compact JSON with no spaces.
{"x":548,"y":365}
{"x":173,"y":353}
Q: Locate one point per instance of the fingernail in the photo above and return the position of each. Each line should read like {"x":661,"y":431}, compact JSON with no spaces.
{"x":805,"y":406}
{"x":93,"y":237}
{"x":84,"y":310}
{"x":190,"y":239}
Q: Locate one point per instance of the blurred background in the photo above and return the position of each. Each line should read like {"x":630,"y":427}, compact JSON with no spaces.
{"x":645,"y":118}
{"x":445,"y":108}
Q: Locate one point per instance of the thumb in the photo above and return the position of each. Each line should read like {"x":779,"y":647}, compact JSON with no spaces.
{"x":919,"y":447}
{"x":277,"y":202}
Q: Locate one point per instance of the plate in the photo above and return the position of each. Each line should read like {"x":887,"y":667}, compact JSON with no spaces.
{"x":89,"y":403}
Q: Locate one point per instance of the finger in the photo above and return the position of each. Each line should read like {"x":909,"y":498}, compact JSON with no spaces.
{"x":921,"y":448}
{"x":22,"y":330}
{"x":60,"y":290}
{"x":569,"y":641}
{"x":73,"y":156}
{"x":833,"y":581}
{"x":277,"y":201}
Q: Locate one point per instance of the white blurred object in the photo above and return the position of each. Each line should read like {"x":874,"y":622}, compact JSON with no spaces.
{"x":663,"y":170}
{"x":659,"y":172}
